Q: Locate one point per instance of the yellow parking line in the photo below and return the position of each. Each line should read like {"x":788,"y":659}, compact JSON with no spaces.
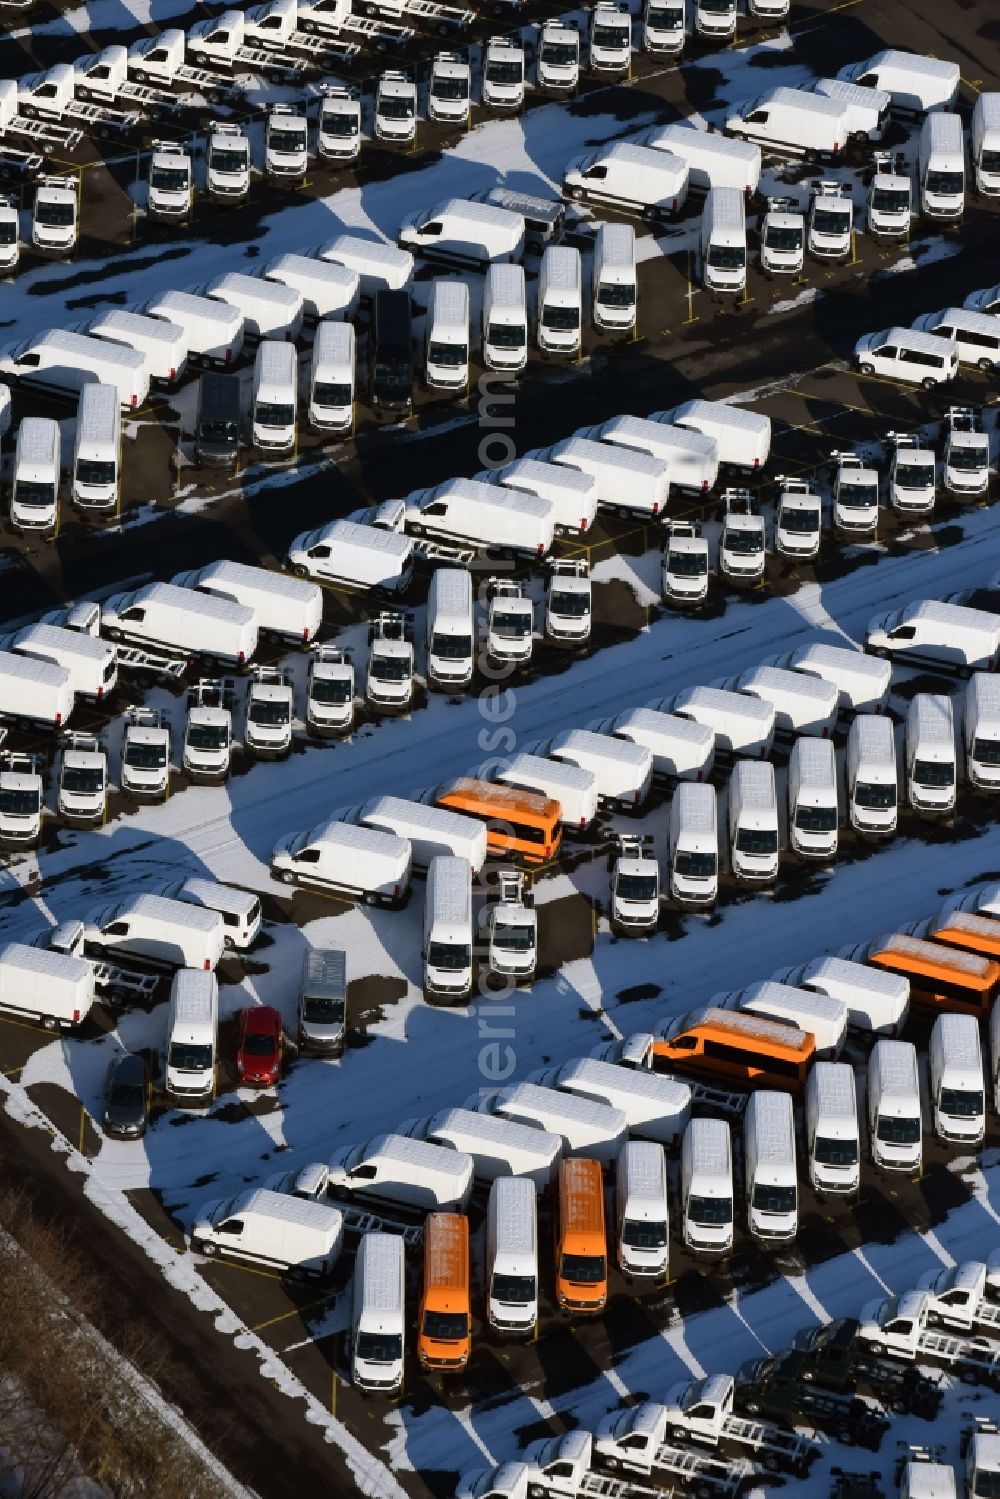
{"x":333,"y":1394}
{"x":692,"y":316}
{"x":247,"y":1269}
{"x":295,"y":1311}
{"x":83,"y":1126}
{"x":21,"y":1024}
{"x":9,"y":1071}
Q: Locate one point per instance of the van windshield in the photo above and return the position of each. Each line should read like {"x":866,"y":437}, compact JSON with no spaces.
{"x":898,"y":1131}
{"x":515,"y":1290}
{"x":228,"y":161}
{"x":611,"y":36}
{"x":514,"y":936}
{"x":768,"y":1198}
{"x":694,"y":865}
{"x":146,"y":756}
{"x":783,"y":237}
{"x":208,"y":736}
{"x":221,"y":431}
{"x":727,"y":257}
{"x":986,"y":751}
{"x":323,"y":1009}
{"x":336,"y":122}
{"x":20,"y":803}
{"x":986,"y":1485}
{"x":890,"y":200}
{"x":832,"y":220}
{"x":379,"y":1347}
{"x":8,"y":232}
{"x":60,"y":215}
{"x":332,"y":393}
{"x":638,"y":887}
{"x":82,"y":778}
{"x":270,"y":714}
{"x":561,"y":319}
{"x":170,"y":179}
{"x":969,"y":456}
{"x":876,"y":796}
{"x":584,"y":1269}
{"x":390,"y":668}
{"x":716,"y":1211}
{"x":717,"y":7}
{"x":453,"y":88}
{"x":95,"y":471}
{"x":616,"y":294}
{"x":934,"y":772}
{"x":743,"y":543}
{"x":801,"y":522}
{"x":835,"y":1152}
{"x":639,"y":1235}
{"x":559,"y":54}
{"x":36,"y":496}
{"x":395,"y":108}
{"x":945,"y":182}
{"x":448,"y":1327}
{"x":185,"y":1056}
{"x":569,"y":605}
{"x":816,"y":819}
{"x":331,"y":690}
{"x":854,"y":496}
{"x":451,"y":647}
{"x":452,"y":356}
{"x":960,"y":1103}
{"x":688,"y":564}
{"x":511,"y":626}
{"x":499,"y":70}
{"x":506,"y":335}
{"x":915,"y":473}
{"x":757,"y":841}
{"x":452,"y":956}
{"x":289,"y":140}
{"x":665,"y":17}
{"x":274,"y":414}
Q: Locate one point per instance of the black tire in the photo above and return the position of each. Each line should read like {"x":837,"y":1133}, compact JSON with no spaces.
{"x":574,"y":192}
{"x":986,"y":365}
{"x":298,"y":570}
{"x":809,"y":1376}
{"x":928,"y":384}
{"x":207,"y":1247}
{"x":866,"y":368}
{"x":50,"y":1023}
{"x":753,"y":1406}
{"x":769,"y":1462}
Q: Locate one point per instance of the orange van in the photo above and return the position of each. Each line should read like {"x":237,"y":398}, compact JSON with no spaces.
{"x":581,"y":1249}
{"x":949,"y":978}
{"x":444,"y":1339}
{"x":978,"y":934}
{"x":748,"y":1050}
{"x":524,"y":823}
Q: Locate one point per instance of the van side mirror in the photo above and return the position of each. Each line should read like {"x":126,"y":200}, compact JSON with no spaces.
{"x":231,"y":1226}
{"x":133,"y":613}
{"x":117,"y":929}
{"x":308,"y":856}
{"x":321,"y":551}
{"x":758,"y":117}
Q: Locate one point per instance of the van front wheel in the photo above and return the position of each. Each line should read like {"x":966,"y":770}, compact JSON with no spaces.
{"x":928,"y":384}
{"x":866,"y":368}
{"x":576,"y":193}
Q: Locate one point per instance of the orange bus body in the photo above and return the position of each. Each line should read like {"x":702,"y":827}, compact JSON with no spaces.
{"x":581,"y":1250}
{"x":444,"y":1339}
{"x":942,"y":978}
{"x":517,"y":822}
{"x":748,"y":1050}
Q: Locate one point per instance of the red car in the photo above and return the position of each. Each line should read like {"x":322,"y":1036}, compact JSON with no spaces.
{"x":258,"y":1048}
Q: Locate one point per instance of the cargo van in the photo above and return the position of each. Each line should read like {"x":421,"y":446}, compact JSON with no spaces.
{"x":269,"y":309}
{"x":574,"y":788}
{"x":571,"y":493}
{"x":614,"y":287}
{"x":183,"y":622}
{"x":239,"y":909}
{"x":742,"y":725}
{"x":407,"y":1173}
{"x":940,"y":974}
{"x":628,"y":482}
{"x":824,"y":1018}
{"x":505,"y":319}
{"x":746,"y":1049}
{"x":713,"y":160}
{"x":367,"y":863}
{"x":163,"y":344}
{"x":275,"y":396}
{"x":354,"y":556}
{"x":34,"y":496}
{"x":376,"y":263}
{"x":908,"y":355}
{"x":707,"y":1187}
{"x":663,"y":30}
{"x":586,"y":1126}
{"x":213,"y":329}
{"x":832,"y":1138}
{"x":192,"y":1035}
{"x":715,"y":20}
{"x":446,"y":339}
{"x":511,"y":1272}
{"x":581,"y":1251}
{"x":560,"y":301}
{"x":288,"y":1234}
{"x":813,"y":810}
{"x":682,"y":750}
{"x":895,"y":1124}
{"x":451,"y":655}
{"x":867,"y":108}
{"x":323,"y":1002}
{"x":332,"y":378}
{"x":872,"y":776}
{"x":955,"y":1075}
{"x":981,"y":732}
{"x":915,"y":83}
{"x":156,"y":931}
{"x":802,"y":704}
{"x":976,"y":335}
{"x":931,"y":754}
{"x":938,"y":635}
{"x":498,"y":1147}
{"x":653,"y":184}
{"x":742,"y":437}
{"x":941,"y":167}
{"x":753,"y":822}
{"x":429,"y":830}
{"x":470,"y":512}
{"x":55,"y":988}
{"x":875,"y":1000}
{"x":447,"y":949}
{"x":34,"y":692}
{"x":693,"y":456}
{"x":656,"y":1108}
{"x":862,"y":682}
{"x":91,"y":662}
{"x":770,"y":1175}
{"x":444,"y":1320}
{"x":217,"y":431}
{"x":642,"y":1220}
{"x":794,"y":122}
{"x":984,"y":143}
{"x":97,"y":449}
{"x":624,"y":770}
{"x":286,"y":608}
{"x":378,"y":1324}
{"x":326,"y":290}
{"x":465,"y":233}
{"x":65,"y":362}
{"x":694,"y":845}
{"x":390,"y":354}
{"x":724,"y":242}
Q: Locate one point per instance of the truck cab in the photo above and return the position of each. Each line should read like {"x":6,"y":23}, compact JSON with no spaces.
{"x":831,"y":222}
{"x":339,"y":137}
{"x":513,"y":930}
{"x":170,"y":181}
{"x":890,"y":198}
{"x":966,"y":461}
{"x":449,"y":93}
{"x":798,"y":524}
{"x":742,"y":543}
{"x":558,"y":1466}
{"x":699,"y":1408}
{"x":894,"y":1325}
{"x":912,"y":475}
{"x":270,"y":710}
{"x":227,"y":163}
{"x":389,"y":681}
{"x":632,"y":1438}
{"x":569,"y":603}
{"x":955,"y":1295}
{"x":855,"y":496}
{"x":208,"y":733}
{"x":395,"y":107}
{"x":782,"y":239}
{"x":83,"y":780}
{"x":145,"y":772}
{"x":685,"y":566}
{"x":21,"y":794}
{"x":286,"y":144}
{"x":635,"y":886}
{"x":330,"y":692}
{"x":509,"y":633}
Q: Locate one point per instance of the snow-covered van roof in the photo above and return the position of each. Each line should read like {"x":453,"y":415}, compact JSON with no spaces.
{"x":240,"y":575}
{"x":158,"y":908}
{"x":67,"y":642}
{"x":652,"y":721}
{"x":774,"y":1126}
{"x":359,"y":839}
{"x":205,"y":604}
{"x":284,"y":1208}
{"x":494,"y":1130}
{"x":670,"y":1092}
{"x":420,"y":1156}
{"x":959,"y":1038}
{"x":541,"y":1101}
{"x":755,"y":1027}
{"x":721,"y":700}
{"x":933,"y":953}
{"x":585,"y":742}
{"x":46,"y":964}
{"x":697,"y":806}
{"x":555,"y":772}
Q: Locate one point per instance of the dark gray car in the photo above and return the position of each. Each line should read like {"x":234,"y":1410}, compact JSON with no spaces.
{"x":126,"y":1097}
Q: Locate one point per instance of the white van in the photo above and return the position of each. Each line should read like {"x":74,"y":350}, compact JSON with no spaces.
{"x":451,"y":656}
{"x":380,"y":266}
{"x":586,"y":1127}
{"x":707,"y":1187}
{"x":655,"y":1107}
{"x":511,"y":1271}
{"x":332,"y":378}
{"x":286,"y":140}
{"x":976,"y":334}
{"x":155,"y":931}
{"x":430,"y":830}
{"x":91,"y":662}
{"x":447,"y":949}
{"x":693,"y":456}
{"x":742,"y":557}
{"x":862,"y":682}
{"x":685,"y":566}
{"x":981,"y":731}
{"x":97,"y":449}
{"x":340,"y":856}
{"x":275,"y":396}
{"x":163,"y":344}
{"x":614,"y":285}
{"x":446,"y":340}
{"x":872,"y":776}
{"x":984,"y":142}
{"x":770,"y":1176}
{"x":559,"y":314}
{"x":498,"y":1147}
{"x":239,"y":909}
{"x":327,"y":290}
{"x":628,"y":482}
{"x":694,"y":845}
{"x":663,"y":31}
{"x":182,"y":621}
{"x":713,"y":159}
{"x":793,"y":121}
{"x":624,"y":770}
{"x":378,"y":1325}
{"x":407,"y":1173}
{"x":941,"y":167}
{"x":503,"y":72}
{"x":65,"y":362}
{"x":288,"y":1234}
{"x":895,"y":1124}
{"x":55,"y":988}
{"x":34,"y":497}
{"x":269,"y":309}
{"x":35,"y":691}
{"x":909,"y":355}
{"x":681,"y":750}
{"x":931,"y":753}
{"x":572,"y":786}
{"x":571,"y":493}
{"x":833,"y":1141}
{"x":642,"y":1226}
{"x":813,"y":811}
{"x":505,"y":319}
{"x":867,"y":108}
{"x":742,"y":725}
{"x":724,"y":242}
{"x":610,"y":37}
{"x":742,"y":437}
{"x":876,"y":1000}
{"x":213,"y":329}
{"x":753,"y":822}
{"x":939,"y":635}
{"x":652,"y":183}
{"x":463,"y":232}
{"x":824,"y":1018}
{"x":286,"y":608}
{"x":715,"y":20}
{"x":192,"y":1035}
{"x":915,"y":83}
{"x":802,"y":704}
{"x":955,"y":1074}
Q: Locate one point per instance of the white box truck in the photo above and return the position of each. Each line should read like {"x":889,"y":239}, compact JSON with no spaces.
{"x":287,"y":608}
{"x":56,"y":989}
{"x":35,"y":693}
{"x":183,"y":622}
{"x":354,"y":556}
